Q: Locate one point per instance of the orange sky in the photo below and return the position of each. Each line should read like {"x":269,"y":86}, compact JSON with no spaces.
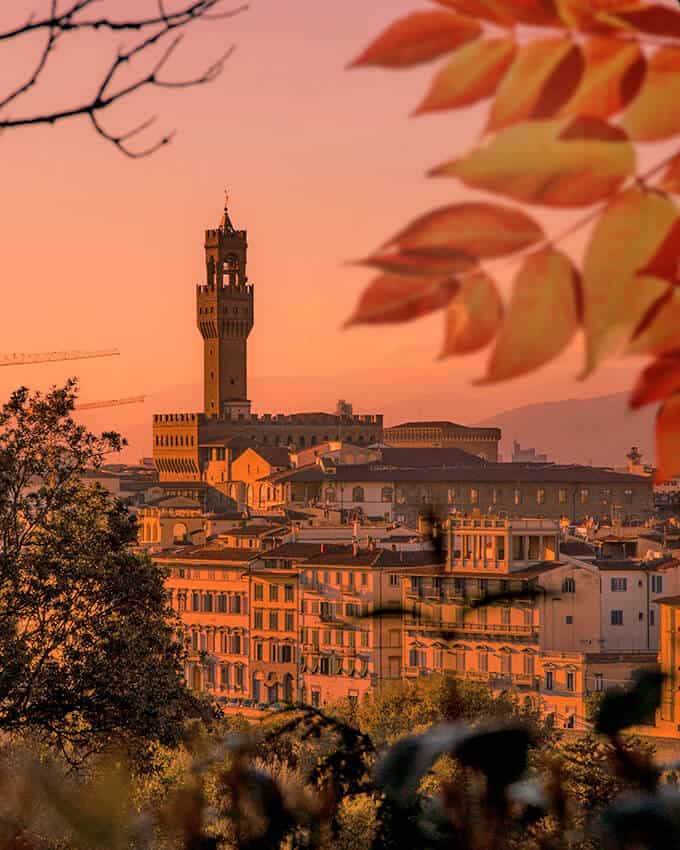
{"x":322,"y":164}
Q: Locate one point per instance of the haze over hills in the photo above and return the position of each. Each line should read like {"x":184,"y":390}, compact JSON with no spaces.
{"x":593,"y":430}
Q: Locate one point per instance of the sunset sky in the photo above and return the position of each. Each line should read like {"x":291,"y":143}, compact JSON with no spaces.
{"x":322,"y":165}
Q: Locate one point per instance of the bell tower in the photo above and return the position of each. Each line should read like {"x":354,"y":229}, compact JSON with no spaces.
{"x":224,"y":314}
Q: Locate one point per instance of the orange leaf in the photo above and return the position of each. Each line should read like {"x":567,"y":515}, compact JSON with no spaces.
{"x":418,"y":37}
{"x":472,"y":74}
{"x":668,"y":440}
{"x":473,"y":316}
{"x":537,"y":13}
{"x":541,"y":319}
{"x":670,"y":182}
{"x":494,"y":11}
{"x":652,"y":20}
{"x":654,"y":113}
{"x":614,"y":72}
{"x":419,"y":264}
{"x":393,"y":298}
{"x":473,"y":229}
{"x":659,"y":381}
{"x":543,"y":76}
{"x":591,"y":15}
{"x":565,"y":163}
{"x":657,"y":332}
{"x":615,"y":298}
{"x":666,"y":262}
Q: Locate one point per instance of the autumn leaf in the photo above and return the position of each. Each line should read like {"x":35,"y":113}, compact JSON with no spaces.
{"x":670,"y":182}
{"x":570,"y":162}
{"x":536,"y":13}
{"x":665,"y":263}
{"x":657,"y":332}
{"x":420,"y":264}
{"x":668,"y":440}
{"x":654,"y":113}
{"x":543,"y":77}
{"x":419,"y":37}
{"x":473,"y":316}
{"x":659,"y":381}
{"x":614,"y":72}
{"x":591,"y":15}
{"x":396,"y":298}
{"x":541,"y":319}
{"x":473,"y":229}
{"x":626,"y":236}
{"x":494,"y":11}
{"x":472,"y":74}
{"x":652,"y":20}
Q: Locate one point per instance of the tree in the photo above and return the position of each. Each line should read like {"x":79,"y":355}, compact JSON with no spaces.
{"x":569,"y":109}
{"x":88,"y":651}
{"x":156,"y":38}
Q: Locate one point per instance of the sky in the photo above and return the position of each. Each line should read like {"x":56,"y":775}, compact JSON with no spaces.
{"x":322,"y":164}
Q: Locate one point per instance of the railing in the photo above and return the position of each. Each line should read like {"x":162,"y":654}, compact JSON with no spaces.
{"x":418,"y":622}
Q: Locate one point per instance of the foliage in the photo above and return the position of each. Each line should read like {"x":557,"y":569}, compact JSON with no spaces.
{"x":88,"y":655}
{"x":573,"y":89}
{"x":305,"y":779}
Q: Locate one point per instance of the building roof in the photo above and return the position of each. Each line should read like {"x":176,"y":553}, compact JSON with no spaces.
{"x":429,"y":457}
{"x":172,"y":502}
{"x":338,"y":554}
{"x":535,"y":570}
{"x":577,"y":549}
{"x":668,"y":600}
{"x":427,"y":424}
{"x":208,"y":552}
{"x":256,"y":529}
{"x":619,"y":564}
{"x":492,"y":473}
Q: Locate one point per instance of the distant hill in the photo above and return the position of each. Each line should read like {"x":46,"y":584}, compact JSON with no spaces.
{"x":598,"y":430}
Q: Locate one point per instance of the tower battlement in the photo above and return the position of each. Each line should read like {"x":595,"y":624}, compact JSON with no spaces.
{"x":209,"y":289}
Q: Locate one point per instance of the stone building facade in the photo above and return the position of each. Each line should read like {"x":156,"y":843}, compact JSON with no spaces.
{"x":482,"y":442}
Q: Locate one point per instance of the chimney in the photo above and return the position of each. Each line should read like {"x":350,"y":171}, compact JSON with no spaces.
{"x":355,"y":549}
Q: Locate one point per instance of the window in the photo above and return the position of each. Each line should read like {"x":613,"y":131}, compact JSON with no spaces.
{"x":562,"y":495}
{"x":506,"y":663}
{"x":599,"y":682}
{"x":584,"y":495}
{"x":657,"y":584}
{"x":451,"y":495}
{"x":474,"y":496}
{"x":338,"y":579}
{"x":258,"y":651}
{"x":628,"y":497}
{"x":517,"y":496}
{"x":235,"y":603}
{"x":616,"y":618}
{"x":273,"y":593}
{"x":235,"y":644}
{"x":505,"y":616}
{"x":528,"y":665}
{"x":290,"y":622}
{"x":222,"y":603}
{"x":325,"y":665}
{"x":364,"y":579}
{"x":619,"y":585}
{"x":357,"y":494}
{"x":496,"y":496}
{"x":316,"y":698}
{"x":258,"y":620}
{"x":606,"y":496}
{"x":208,"y":602}
{"x":394,"y":580}
{"x":288,"y":592}
{"x":459,"y":659}
{"x":195,"y":601}
{"x":286,"y":653}
{"x":540,"y":496}
{"x":569,"y":620}
{"x":548,"y":680}
{"x":570,"y":681}
{"x":364,"y":638}
{"x":483,"y":661}
{"x":651,"y":616}
{"x":274,"y":620}
{"x":386,"y":494}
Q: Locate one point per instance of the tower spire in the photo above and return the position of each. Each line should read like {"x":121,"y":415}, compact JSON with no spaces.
{"x":225,"y":222}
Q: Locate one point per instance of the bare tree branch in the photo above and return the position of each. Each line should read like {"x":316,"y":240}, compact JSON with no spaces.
{"x":156,"y":30}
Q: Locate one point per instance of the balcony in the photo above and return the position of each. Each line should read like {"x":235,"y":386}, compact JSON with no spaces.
{"x":471,"y":628}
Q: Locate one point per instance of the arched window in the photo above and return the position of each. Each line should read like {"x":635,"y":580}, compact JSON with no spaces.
{"x":386,"y":494}
{"x":301,"y":442}
{"x":180,"y":533}
{"x":330,"y":494}
{"x":357,"y":494}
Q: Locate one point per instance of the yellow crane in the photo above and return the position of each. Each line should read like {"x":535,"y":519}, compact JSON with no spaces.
{"x":54,"y":357}
{"x":114,"y":402}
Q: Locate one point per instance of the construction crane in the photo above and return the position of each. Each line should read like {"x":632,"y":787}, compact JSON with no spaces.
{"x":114,"y":402}
{"x":53,"y":357}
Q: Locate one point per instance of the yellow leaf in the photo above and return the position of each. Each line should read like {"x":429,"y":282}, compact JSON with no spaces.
{"x":668,"y":440}
{"x":615,"y":298}
{"x":473,"y":316}
{"x":614,"y":72}
{"x":472,"y":74}
{"x":541,"y":319}
{"x":654,"y":114}
{"x":472,"y":229}
{"x":419,"y":37}
{"x":543,"y":76}
{"x":659,"y":333}
{"x":570,"y":162}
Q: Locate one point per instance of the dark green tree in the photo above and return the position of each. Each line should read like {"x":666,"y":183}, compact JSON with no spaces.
{"x":88,"y":653}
